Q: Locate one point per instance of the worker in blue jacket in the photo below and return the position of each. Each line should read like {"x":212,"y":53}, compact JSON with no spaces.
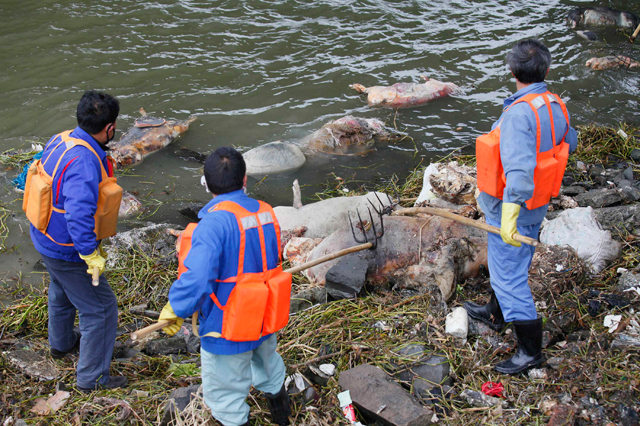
{"x":69,"y":246}
{"x":509,"y":261}
{"x":229,"y":368}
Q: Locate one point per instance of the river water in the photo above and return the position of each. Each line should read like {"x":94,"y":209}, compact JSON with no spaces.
{"x":258,"y":71}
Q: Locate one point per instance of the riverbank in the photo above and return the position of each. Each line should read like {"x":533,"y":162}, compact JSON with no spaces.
{"x":591,"y":376}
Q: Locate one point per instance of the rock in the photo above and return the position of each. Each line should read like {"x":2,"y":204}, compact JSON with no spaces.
{"x":346,"y":278}
{"x":478,"y":399}
{"x":457,"y":323}
{"x":635,"y":155}
{"x":178,"y":401}
{"x":628,"y":192}
{"x":311,"y":395}
{"x":624,"y":341}
{"x":579,"y":229}
{"x":627,"y":280}
{"x":598,"y":198}
{"x":572,"y":191}
{"x":325,"y":217}
{"x":537,"y":374}
{"x":308,"y":298}
{"x":191,"y":340}
{"x":32,"y":364}
{"x":191,"y":212}
{"x":316,"y":376}
{"x":478,"y":328}
{"x":568,"y":180}
{"x":628,"y":173}
{"x":562,"y":415}
{"x":628,"y":416}
{"x":274,"y":157}
{"x":166,"y":346}
{"x":617,"y":218}
{"x":580,"y":166}
{"x":372,"y":389}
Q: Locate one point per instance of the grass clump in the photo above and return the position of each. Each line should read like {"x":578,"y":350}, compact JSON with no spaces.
{"x":600,"y":144}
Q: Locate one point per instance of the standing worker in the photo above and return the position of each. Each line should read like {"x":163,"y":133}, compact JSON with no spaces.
{"x":72,"y":202}
{"x":520,"y":167}
{"x":236,"y":243}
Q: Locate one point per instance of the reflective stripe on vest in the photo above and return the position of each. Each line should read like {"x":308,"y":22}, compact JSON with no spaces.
{"x":550,"y":165}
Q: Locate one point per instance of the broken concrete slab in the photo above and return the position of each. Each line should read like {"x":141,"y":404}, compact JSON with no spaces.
{"x":346,"y":278}
{"x":478,"y":399}
{"x":178,"y":401}
{"x":372,"y":389}
{"x":166,"y":346}
{"x":33,"y":364}
{"x":597,"y":198}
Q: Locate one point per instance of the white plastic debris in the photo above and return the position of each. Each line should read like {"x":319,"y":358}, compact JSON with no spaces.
{"x":298,"y":381}
{"x":636,"y":289}
{"x":36,"y":147}
{"x":612,"y":322}
{"x":578,"y":228}
{"x":621,"y":270}
{"x":426,"y":194}
{"x":559,"y":267}
{"x":622,"y":134}
{"x":457,"y":323}
{"x":328,"y":369}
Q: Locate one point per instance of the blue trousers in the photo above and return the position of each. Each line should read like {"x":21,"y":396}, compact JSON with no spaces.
{"x":227,"y":379}
{"x":509,"y":271}
{"x":71,"y":291}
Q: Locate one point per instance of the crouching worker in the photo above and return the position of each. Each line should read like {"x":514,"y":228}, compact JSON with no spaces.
{"x":520,"y":167}
{"x":231,"y":269}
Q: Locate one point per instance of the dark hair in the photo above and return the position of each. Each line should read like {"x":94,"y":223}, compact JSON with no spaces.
{"x":529,"y":61}
{"x":224,"y":170}
{"x":96,"y":110}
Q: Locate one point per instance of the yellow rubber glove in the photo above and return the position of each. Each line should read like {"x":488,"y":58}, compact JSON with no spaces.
{"x":508,"y":227}
{"x":103,"y":252}
{"x":92,"y":260}
{"x":168,"y":314}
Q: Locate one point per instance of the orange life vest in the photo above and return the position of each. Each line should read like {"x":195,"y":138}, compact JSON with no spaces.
{"x":550,"y":166}
{"x":259,"y":303}
{"x":38,"y":195}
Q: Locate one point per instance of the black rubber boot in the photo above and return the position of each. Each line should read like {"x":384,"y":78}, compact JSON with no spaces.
{"x":279,"y":407}
{"x":490,"y":314}
{"x":529,"y":353}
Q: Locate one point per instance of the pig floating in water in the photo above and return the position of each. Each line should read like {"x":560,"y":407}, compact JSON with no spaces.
{"x":607,"y":62}
{"x":348,"y":135}
{"x":149,"y":134}
{"x":405,"y":95}
{"x":602,"y":16}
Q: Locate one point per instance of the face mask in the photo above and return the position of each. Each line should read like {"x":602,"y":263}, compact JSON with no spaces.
{"x":110,"y":128}
{"x":203,"y":182}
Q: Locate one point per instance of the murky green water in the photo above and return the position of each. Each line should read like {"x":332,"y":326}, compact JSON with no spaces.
{"x":259,"y":71}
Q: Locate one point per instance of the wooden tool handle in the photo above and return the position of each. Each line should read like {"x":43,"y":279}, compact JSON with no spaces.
{"x":635,"y":33}
{"x":464,"y":220}
{"x":329,"y":257}
{"x":95,"y":278}
{"x":139,"y":334}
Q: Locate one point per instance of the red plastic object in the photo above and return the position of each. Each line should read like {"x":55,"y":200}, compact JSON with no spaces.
{"x":493,"y":389}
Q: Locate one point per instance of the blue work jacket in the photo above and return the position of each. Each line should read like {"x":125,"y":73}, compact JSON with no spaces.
{"x":75,"y":190}
{"x":518,"y":152}
{"x":214,"y":254}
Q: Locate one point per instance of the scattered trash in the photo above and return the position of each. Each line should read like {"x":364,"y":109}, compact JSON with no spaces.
{"x":493,"y":389}
{"x":347,"y":406}
{"x":537,"y":374}
{"x":621,"y":270}
{"x":45,"y":407}
{"x":457,"y":323}
{"x":299,"y":382}
{"x":328,"y":369}
{"x":612,"y":322}
{"x":478,"y":399}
